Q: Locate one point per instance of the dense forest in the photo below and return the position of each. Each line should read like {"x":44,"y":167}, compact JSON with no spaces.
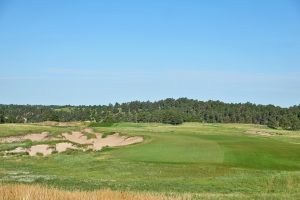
{"x":172,"y":111}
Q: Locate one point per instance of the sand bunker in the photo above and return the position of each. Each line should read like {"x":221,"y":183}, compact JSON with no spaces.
{"x":132,"y":140}
{"x":11,"y":139}
{"x":41,"y":148}
{"x":17,"y":150}
{"x":64,"y":146}
{"x":96,"y":143}
{"x":113,"y":141}
{"x":77,"y":137}
{"x":35,"y":137}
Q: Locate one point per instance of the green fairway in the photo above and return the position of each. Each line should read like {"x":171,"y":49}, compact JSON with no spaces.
{"x":189,"y":158}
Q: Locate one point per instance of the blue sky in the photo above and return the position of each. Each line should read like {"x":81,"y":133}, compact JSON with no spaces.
{"x":100,"y":52}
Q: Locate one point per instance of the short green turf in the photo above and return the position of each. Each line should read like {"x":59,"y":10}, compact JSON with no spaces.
{"x":192,"y":158}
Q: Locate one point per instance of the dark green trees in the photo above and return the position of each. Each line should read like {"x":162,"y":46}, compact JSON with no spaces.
{"x":2,"y":119}
{"x":171,"y":117}
{"x":295,"y":123}
{"x":273,"y":123}
{"x":172,"y":111}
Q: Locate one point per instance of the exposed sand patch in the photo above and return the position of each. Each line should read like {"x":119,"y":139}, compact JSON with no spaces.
{"x":17,"y":150}
{"x":35,"y":137}
{"x":98,"y":143}
{"x":11,"y":139}
{"x":61,"y":147}
{"x":113,"y":141}
{"x":95,"y":144}
{"x":77,"y":137}
{"x":132,"y":140}
{"x":41,"y":148}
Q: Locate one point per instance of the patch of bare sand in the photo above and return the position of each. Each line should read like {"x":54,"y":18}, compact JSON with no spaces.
{"x":113,"y":141}
{"x":132,"y":140}
{"x":88,"y":130}
{"x":41,"y":148}
{"x":77,"y":137}
{"x":11,"y":139}
{"x":17,"y":150}
{"x":61,"y":147}
{"x":35,"y":137}
{"x":95,"y":144}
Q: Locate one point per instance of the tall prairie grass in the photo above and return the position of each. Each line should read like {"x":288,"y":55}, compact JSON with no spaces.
{"x":37,"y":192}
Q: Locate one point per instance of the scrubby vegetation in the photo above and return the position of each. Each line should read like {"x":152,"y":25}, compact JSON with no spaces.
{"x":165,"y":111}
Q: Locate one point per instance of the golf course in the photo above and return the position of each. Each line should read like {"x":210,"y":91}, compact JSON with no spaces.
{"x":149,"y":100}
{"x":187,"y":161}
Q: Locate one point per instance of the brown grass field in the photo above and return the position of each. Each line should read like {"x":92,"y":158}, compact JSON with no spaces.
{"x":37,"y":192}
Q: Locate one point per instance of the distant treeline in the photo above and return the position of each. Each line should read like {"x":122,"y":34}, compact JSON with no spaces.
{"x":172,"y":111}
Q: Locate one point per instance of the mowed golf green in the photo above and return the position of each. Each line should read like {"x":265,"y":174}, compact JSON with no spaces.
{"x":189,"y":158}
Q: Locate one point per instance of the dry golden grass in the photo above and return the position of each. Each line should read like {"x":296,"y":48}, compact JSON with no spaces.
{"x":37,"y":192}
